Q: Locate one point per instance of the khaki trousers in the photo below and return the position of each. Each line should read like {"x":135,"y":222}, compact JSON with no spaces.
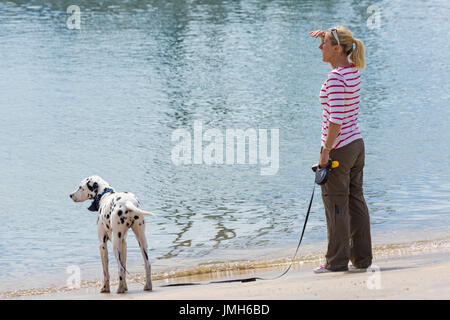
{"x":347,"y":215}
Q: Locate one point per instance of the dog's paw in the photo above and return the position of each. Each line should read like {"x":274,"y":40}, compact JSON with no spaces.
{"x":148,"y":287}
{"x":120,"y":290}
{"x":104,"y":290}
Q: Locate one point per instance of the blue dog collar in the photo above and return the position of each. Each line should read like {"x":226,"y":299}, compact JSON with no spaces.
{"x":95,"y":204}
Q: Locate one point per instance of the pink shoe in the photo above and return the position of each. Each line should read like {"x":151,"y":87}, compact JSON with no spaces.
{"x":321,"y":269}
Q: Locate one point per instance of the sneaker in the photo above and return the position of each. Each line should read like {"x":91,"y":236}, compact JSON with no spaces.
{"x":352,"y":268}
{"x":321,"y":269}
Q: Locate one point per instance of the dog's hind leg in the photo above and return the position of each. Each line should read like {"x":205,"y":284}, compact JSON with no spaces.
{"x":139,"y":231}
{"x":123,"y":256}
{"x":117,"y":247}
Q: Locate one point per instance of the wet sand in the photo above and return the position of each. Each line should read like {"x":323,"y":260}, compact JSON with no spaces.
{"x":401,"y":274}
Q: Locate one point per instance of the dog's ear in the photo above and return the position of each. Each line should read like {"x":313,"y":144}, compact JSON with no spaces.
{"x":94,"y":187}
{"x":94,"y":205}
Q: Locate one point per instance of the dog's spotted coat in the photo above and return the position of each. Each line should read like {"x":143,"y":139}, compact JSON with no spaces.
{"x":117,"y":212}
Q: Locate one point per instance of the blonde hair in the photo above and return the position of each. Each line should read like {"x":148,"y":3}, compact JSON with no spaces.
{"x":346,"y":41}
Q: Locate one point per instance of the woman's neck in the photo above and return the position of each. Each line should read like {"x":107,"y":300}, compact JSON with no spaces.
{"x":341,"y":62}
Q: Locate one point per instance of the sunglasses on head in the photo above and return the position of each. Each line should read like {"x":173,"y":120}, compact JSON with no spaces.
{"x":335,"y":35}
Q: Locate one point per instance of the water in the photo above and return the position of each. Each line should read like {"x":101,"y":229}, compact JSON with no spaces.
{"x":105,"y":100}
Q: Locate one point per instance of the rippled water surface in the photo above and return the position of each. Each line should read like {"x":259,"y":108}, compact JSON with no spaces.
{"x":106,"y":99}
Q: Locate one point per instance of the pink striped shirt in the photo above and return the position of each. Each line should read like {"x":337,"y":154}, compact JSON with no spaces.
{"x":339,"y":97}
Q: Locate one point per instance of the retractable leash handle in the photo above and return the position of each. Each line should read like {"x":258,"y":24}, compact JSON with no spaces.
{"x":323,"y":173}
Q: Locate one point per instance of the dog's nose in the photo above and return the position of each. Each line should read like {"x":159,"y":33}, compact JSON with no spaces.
{"x":70,"y":196}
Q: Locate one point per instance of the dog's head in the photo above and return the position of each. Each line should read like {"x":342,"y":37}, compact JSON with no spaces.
{"x":89,"y":188}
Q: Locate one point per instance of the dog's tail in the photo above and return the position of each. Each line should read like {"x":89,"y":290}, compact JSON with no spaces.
{"x":132,"y":207}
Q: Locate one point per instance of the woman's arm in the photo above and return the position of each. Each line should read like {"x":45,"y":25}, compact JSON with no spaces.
{"x":335,"y":89}
{"x":317,"y":34}
{"x":333,"y":131}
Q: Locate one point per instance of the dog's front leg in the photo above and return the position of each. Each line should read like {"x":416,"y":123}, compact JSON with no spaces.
{"x":117,"y":247}
{"x":104,"y":255}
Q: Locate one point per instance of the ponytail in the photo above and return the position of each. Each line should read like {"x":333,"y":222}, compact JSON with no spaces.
{"x":357,"y":55}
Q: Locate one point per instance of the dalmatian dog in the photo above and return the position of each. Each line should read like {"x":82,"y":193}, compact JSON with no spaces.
{"x":117,"y":212}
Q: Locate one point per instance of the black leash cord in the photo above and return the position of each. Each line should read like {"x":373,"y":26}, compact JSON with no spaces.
{"x":255,"y":278}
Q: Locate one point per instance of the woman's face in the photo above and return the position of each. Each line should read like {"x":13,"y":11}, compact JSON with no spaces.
{"x":329,"y":51}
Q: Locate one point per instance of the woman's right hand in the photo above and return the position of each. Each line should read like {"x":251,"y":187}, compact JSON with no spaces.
{"x":317,"y":33}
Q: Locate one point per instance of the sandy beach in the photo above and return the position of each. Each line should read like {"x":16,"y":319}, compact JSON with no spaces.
{"x":405,"y":273}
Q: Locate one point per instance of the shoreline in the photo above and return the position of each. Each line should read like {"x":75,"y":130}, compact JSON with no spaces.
{"x":388,"y":260}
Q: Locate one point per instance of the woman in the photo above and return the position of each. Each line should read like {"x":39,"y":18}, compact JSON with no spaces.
{"x":346,"y":211}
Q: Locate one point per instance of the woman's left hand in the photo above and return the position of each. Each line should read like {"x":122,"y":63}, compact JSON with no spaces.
{"x":324,"y":158}
{"x":317,"y":33}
